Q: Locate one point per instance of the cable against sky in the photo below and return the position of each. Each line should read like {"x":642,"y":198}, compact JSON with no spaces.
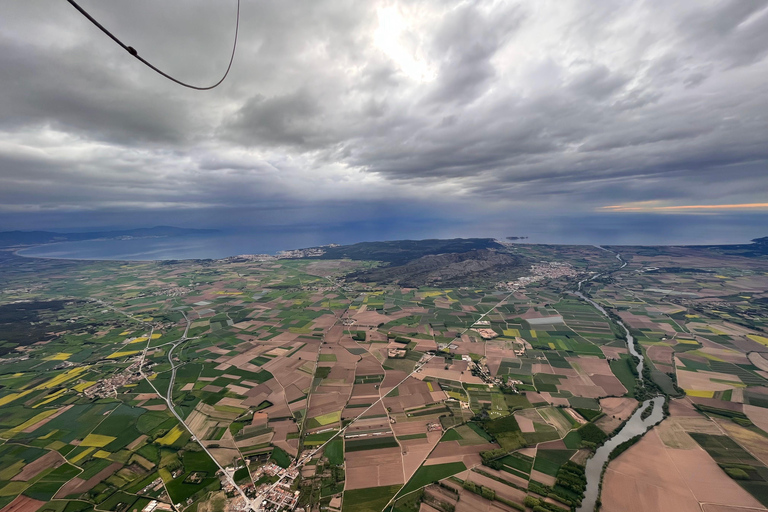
{"x":132,"y":50}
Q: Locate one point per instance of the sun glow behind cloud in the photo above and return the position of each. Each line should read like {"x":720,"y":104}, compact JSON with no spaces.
{"x":390,"y":38}
{"x":647,"y":206}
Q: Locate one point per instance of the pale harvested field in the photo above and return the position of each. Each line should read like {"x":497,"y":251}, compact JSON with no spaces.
{"x":441,"y":373}
{"x":583,"y":386}
{"x":525,"y":424}
{"x":224,"y":456}
{"x":136,"y":442}
{"x":553,"y":417}
{"x":661,"y":354}
{"x":581,"y":456}
{"x":416,"y":452}
{"x":673,"y":435}
{"x":541,"y":477}
{"x":453,"y":449}
{"x":282,"y":429}
{"x":651,"y":477}
{"x":374,"y":468}
{"x":758,"y":416}
{"x":720,"y":404}
{"x":253,"y":441}
{"x":622,"y":408}
{"x":557,"y":444}
{"x":324,"y":403}
{"x":614,"y":352}
{"x":470,"y":502}
{"x":509,"y":477}
{"x":543,"y":368}
{"x":365,"y":391}
{"x":406,"y":428}
{"x":391,"y":379}
{"x":238,"y":390}
{"x":610,"y":384}
{"x":553,"y":400}
{"x":701,"y":380}
{"x":708,"y":507}
{"x":576,"y":416}
{"x":753,"y":442}
{"x":503,"y":490}
{"x":534,"y":397}
{"x":291,"y":446}
{"x":529,"y":452}
{"x":592,"y":365}
{"x":759,"y":361}
{"x":698,"y":425}
{"x":367,"y":424}
{"x":199,"y":423}
{"x":682,"y":407}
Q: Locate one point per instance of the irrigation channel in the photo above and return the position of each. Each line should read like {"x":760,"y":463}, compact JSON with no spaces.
{"x":635,"y":426}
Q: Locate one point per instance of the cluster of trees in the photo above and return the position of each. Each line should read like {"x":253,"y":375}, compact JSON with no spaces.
{"x":626,"y":445}
{"x":483,"y":491}
{"x":591,"y":433}
{"x":489,"y":457}
{"x":539,"y":505}
{"x":571,"y":476}
{"x":490,"y":494}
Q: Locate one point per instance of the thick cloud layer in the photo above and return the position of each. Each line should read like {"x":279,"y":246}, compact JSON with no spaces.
{"x":343,"y":109}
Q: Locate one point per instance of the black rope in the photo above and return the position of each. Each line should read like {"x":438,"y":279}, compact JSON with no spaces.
{"x":133,"y":52}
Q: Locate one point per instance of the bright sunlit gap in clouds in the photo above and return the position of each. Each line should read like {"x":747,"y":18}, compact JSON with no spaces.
{"x":390,"y":38}
{"x":648,"y":206}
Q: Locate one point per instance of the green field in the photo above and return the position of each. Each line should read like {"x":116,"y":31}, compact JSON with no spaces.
{"x":372,"y":499}
{"x":621,"y":369}
{"x":428,"y":474}
{"x":335,"y":451}
{"x":372,"y":443}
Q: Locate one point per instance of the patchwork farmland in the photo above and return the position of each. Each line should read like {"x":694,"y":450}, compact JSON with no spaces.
{"x":304,"y":381}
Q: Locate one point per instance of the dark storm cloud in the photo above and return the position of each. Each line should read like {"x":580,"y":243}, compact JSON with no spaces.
{"x":550,"y":106}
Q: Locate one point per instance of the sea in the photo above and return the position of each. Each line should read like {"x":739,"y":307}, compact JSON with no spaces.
{"x":584,"y":230}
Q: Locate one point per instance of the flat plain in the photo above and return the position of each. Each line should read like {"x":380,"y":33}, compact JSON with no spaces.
{"x":497,"y":386}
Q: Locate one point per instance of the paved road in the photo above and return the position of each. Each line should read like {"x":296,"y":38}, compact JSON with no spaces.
{"x":458,"y":336}
{"x":300,"y":462}
{"x":168,"y":396}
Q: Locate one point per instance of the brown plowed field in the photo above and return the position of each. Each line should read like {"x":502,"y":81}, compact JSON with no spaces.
{"x":49,"y":460}
{"x":470,"y":502}
{"x":503,"y":490}
{"x":621,"y":408}
{"x":78,"y":486}
{"x":651,"y":477}
{"x":758,"y":416}
{"x":23,"y":504}
{"x":374,"y":468}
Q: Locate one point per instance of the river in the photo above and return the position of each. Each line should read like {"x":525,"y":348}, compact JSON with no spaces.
{"x":630,"y":339}
{"x":635,"y":426}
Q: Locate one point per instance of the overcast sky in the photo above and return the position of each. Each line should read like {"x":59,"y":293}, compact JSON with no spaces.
{"x":412,"y":112}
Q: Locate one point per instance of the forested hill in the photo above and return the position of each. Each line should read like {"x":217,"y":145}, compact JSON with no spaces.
{"x":400,"y":252}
